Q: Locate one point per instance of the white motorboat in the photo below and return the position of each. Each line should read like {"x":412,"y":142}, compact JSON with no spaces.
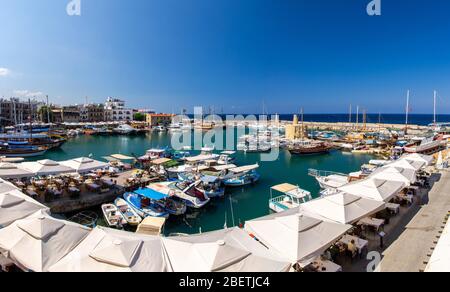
{"x":128,"y":212}
{"x":112,"y":216}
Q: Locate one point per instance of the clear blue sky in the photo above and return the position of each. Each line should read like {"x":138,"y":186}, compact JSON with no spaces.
{"x":232,"y":54}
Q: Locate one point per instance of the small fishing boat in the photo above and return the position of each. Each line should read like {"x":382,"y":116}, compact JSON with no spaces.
{"x":241,"y":176}
{"x":144,"y":206}
{"x":130,"y":215}
{"x":112,"y":216}
{"x":171,"y":204}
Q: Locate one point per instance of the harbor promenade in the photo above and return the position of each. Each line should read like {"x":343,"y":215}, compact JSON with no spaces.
{"x":411,"y":251}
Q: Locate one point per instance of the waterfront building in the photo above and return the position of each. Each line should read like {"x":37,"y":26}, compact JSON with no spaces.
{"x":159,"y":119}
{"x":296,"y":130}
{"x":66,"y":114}
{"x":15,"y":111}
{"x":92,"y":113}
{"x":115,"y":110}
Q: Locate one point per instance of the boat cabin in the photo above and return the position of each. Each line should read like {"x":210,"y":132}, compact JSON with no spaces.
{"x":292,"y":197}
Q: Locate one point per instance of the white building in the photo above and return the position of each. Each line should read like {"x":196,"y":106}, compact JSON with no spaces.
{"x":115,"y":110}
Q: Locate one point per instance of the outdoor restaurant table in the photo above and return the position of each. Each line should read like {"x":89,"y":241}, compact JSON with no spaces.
{"x":93,"y":186}
{"x":325,"y":266}
{"x":408,"y":198}
{"x":109,"y":183}
{"x":393,"y":207}
{"x":74,"y":190}
{"x":31,"y":193}
{"x":377,"y":223}
{"x":359,"y":243}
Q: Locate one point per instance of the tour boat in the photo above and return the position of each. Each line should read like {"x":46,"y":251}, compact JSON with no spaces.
{"x":211,"y":186}
{"x":241,"y":176}
{"x":29,"y":151}
{"x":310,"y":148}
{"x":130,"y":215}
{"x":113,"y":217}
{"x":125,"y":130}
{"x":144,"y":206}
{"x":292,"y":197}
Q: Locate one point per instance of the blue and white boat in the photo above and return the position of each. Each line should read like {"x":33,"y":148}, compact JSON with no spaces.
{"x":211,"y":186}
{"x":185,"y":191}
{"x":144,"y":206}
{"x":172,"y":205}
{"x":242,"y":176}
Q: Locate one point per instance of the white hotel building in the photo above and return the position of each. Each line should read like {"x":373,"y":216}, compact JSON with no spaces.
{"x":116,"y":111}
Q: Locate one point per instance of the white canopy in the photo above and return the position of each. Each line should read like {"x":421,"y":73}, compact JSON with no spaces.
{"x":297,"y":237}
{"x":228,"y":250}
{"x":391,"y":173}
{"x":245,"y":168}
{"x":45,"y":167}
{"x":83,"y":164}
{"x":374,"y":188}
{"x":428,"y":160}
{"x":6,"y":186}
{"x":39,"y":241}
{"x":440,"y":259}
{"x":342,"y":208}
{"x":11,"y":171}
{"x":15,"y":205}
{"x":108,"y":250}
{"x":403,"y":163}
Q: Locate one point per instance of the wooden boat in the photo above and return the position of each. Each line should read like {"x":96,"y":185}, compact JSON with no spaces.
{"x":310,"y":148}
{"x":112,"y":216}
{"x":29,"y":151}
{"x":241,"y":176}
{"x":127,"y":212}
{"x":171,"y":204}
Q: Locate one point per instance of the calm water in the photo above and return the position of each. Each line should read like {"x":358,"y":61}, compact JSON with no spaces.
{"x":414,"y":119}
{"x":247,"y":203}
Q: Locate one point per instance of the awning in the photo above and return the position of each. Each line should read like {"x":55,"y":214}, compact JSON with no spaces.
{"x":245,"y":168}
{"x":160,"y":161}
{"x":151,"y":194}
{"x":122,"y":157}
{"x":284,"y":188}
{"x":224,"y":167}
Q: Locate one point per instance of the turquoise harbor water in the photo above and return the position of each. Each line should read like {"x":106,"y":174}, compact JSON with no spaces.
{"x":247,"y":203}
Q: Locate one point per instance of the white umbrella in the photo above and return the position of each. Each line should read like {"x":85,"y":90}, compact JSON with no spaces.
{"x":83,"y":164}
{"x":6,"y":186}
{"x":39,"y":241}
{"x":45,"y":167}
{"x":440,"y":259}
{"x":342,"y":208}
{"x":403,"y":163}
{"x":374,"y":188}
{"x":297,"y":237}
{"x":427,"y":159}
{"x":108,"y":250}
{"x":228,"y":250}
{"x":12,"y":171}
{"x":391,"y":173}
{"x":15,"y":205}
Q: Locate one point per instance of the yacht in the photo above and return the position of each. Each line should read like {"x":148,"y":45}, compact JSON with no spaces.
{"x":125,"y":130}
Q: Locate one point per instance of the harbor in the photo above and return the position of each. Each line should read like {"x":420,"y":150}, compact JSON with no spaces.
{"x":136,"y":183}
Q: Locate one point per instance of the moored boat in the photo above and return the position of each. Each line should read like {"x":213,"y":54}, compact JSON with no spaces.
{"x":292,"y":197}
{"x":171,"y":204}
{"x":310,"y":148}
{"x":241,"y":176}
{"x":130,"y":215}
{"x":144,"y":206}
{"x":29,"y":151}
{"x":112,"y":216}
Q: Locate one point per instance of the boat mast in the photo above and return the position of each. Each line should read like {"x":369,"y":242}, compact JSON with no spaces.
{"x":357,"y":117}
{"x":434,"y":109}
{"x":48,"y":110}
{"x":407,"y":112}
{"x":30,"y":121}
{"x":350,"y":114}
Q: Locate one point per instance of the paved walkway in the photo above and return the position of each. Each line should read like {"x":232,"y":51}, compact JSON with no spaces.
{"x":411,"y":251}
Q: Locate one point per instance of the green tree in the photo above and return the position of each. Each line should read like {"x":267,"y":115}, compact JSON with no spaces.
{"x":44,"y":113}
{"x":139,"y":117}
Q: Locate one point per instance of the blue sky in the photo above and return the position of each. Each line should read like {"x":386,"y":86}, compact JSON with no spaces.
{"x":231,"y":54}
